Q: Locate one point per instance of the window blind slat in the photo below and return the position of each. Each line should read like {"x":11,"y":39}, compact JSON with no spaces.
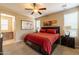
{"x":71,"y":20}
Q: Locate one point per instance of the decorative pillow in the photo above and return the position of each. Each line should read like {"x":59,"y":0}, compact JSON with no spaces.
{"x":53,"y":31}
{"x":43,"y":30}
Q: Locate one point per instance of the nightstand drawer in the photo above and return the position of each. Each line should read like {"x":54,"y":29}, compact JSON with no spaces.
{"x":71,"y":42}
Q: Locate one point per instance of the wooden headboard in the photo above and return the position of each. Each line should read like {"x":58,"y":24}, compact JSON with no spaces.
{"x":56,"y":27}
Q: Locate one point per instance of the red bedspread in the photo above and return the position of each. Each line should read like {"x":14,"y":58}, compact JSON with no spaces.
{"x":45,"y":40}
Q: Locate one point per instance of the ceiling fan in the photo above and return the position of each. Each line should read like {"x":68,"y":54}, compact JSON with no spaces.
{"x":35,"y":9}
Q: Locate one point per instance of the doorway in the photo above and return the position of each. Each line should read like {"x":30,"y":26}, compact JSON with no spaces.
{"x":7,"y":28}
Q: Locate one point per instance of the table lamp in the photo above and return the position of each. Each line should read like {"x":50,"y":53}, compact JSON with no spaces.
{"x":67,"y":30}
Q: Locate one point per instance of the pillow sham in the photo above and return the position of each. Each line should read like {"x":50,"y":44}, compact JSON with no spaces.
{"x":43,"y":30}
{"x":53,"y":31}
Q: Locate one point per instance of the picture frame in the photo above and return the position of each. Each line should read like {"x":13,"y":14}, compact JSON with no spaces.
{"x":49,"y":22}
{"x":26,"y":25}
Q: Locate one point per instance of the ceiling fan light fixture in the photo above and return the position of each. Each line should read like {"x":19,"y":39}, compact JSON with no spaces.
{"x":35,"y":10}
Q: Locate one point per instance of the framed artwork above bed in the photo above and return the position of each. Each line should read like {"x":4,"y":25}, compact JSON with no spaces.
{"x":49,"y":22}
{"x":26,"y":25}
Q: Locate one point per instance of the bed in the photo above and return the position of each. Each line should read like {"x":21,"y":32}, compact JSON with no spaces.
{"x":43,"y":39}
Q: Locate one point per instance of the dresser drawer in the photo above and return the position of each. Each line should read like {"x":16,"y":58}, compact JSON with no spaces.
{"x":71,"y":42}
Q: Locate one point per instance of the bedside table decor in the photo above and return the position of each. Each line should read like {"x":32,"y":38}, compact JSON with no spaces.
{"x":67,"y":30}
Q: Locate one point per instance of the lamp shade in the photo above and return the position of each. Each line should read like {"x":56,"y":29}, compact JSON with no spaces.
{"x":67,"y":30}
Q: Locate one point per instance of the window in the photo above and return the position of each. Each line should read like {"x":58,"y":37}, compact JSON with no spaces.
{"x":38,"y":25}
{"x":4,"y":24}
{"x":71,"y":20}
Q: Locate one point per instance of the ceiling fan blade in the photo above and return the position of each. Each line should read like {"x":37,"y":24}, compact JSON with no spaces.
{"x":28,"y":9}
{"x":34,"y":4}
{"x":32,"y":13}
{"x":42,"y":9}
{"x":39,"y":12}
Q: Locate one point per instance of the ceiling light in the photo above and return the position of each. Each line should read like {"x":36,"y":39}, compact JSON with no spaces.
{"x":35,"y":10}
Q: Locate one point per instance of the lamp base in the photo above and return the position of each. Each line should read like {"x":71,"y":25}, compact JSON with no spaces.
{"x":67,"y":35}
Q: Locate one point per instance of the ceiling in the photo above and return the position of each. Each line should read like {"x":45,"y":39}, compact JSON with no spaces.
{"x":50,"y":8}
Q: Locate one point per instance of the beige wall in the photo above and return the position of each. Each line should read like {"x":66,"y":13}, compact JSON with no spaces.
{"x":77,"y":41}
{"x":59,"y":16}
{"x":18,"y":17}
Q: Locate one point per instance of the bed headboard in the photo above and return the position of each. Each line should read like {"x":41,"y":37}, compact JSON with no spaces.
{"x":56,"y":27}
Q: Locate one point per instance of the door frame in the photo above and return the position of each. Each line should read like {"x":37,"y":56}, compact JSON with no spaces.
{"x":13,"y":23}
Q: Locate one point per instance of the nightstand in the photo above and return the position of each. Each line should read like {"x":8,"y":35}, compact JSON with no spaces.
{"x":68,"y":41}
